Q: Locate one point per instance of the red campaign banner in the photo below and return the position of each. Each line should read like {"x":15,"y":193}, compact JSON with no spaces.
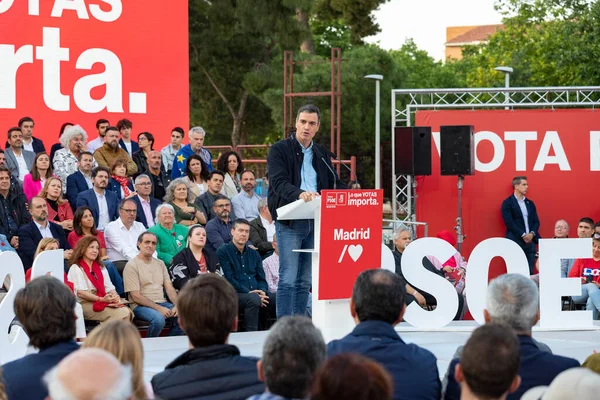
{"x":79,"y":61}
{"x":351,"y":238}
{"x":557,"y":150}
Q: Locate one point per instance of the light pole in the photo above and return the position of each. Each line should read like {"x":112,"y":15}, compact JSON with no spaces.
{"x":507,"y":71}
{"x":378,"y":79}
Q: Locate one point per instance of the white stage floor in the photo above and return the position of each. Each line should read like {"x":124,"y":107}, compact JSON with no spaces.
{"x":443,"y":343}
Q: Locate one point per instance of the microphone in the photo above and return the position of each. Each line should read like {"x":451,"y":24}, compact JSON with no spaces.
{"x":332,"y":173}
{"x":331,"y":154}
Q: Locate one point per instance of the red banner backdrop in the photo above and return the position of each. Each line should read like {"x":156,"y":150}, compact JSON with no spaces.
{"x":78,"y":61}
{"x":558,"y":151}
{"x":350,"y":239}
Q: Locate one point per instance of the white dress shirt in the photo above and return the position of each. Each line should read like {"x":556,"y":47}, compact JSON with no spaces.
{"x":23,"y":170}
{"x":269,"y":227}
{"x":46,"y":232}
{"x":121,"y":243}
{"x":28,"y":146}
{"x":95,"y":144}
{"x":523,"y":208}
{"x":103,"y":218}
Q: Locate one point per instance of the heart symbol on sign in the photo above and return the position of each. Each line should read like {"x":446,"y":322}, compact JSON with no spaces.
{"x":355,"y":251}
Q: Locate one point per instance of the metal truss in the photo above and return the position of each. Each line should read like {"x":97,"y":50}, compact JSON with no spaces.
{"x":406,"y":102}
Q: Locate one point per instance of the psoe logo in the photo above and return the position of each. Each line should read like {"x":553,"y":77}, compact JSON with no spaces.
{"x":332,"y":199}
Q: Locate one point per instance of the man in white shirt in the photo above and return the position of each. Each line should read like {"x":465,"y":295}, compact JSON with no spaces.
{"x":95,"y":144}
{"x":169,"y":152}
{"x":262,"y":230}
{"x":30,"y":142}
{"x":245,"y":203}
{"x":18,"y":160}
{"x":122,"y":235}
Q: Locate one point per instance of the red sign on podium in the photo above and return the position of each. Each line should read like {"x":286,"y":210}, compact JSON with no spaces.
{"x":350,"y":239}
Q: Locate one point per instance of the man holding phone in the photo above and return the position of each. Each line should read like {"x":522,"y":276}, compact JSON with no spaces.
{"x":588,"y":270}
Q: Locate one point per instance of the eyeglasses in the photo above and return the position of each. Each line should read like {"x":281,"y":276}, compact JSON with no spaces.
{"x":129,"y":210}
{"x":223,"y":205}
{"x":144,"y":183}
{"x":560,"y":227}
{"x":596,"y":236}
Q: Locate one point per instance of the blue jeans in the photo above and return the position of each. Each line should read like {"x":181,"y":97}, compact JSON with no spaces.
{"x":115,"y":278}
{"x":590,"y":295}
{"x":157,"y":321}
{"x":295,"y":269}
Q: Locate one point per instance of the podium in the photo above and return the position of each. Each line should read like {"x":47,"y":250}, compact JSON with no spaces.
{"x":336,"y":227}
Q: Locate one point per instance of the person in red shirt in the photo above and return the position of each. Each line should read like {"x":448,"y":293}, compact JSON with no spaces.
{"x":588,"y":270}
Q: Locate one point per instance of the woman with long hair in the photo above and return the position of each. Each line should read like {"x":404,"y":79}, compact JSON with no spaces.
{"x":140,"y":157}
{"x":122,"y":339}
{"x":194,"y":259}
{"x":35,"y":180}
{"x":119,"y":183}
{"x":231,"y":164}
{"x":59,"y":209}
{"x":179,"y":195}
{"x":93,"y":287}
{"x":196,"y":175}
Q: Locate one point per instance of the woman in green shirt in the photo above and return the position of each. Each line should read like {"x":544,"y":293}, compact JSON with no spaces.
{"x":179,"y":196}
{"x":171,"y":237}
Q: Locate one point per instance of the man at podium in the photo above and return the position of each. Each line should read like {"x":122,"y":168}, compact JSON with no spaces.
{"x":298,"y":168}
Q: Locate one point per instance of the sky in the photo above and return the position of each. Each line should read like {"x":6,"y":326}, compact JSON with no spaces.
{"x":426,"y":20}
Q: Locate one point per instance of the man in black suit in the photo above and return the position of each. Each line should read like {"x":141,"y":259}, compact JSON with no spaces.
{"x":259,"y":236}
{"x":32,"y":233}
{"x":521,"y":220}
{"x":103,"y":203}
{"x":80,"y":180}
{"x":146,"y":205}
{"x":30,"y":142}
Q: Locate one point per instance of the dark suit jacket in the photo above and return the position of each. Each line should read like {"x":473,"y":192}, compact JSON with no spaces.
{"x":412,"y":368}
{"x":37,"y":144}
{"x":115,"y":187}
{"x":515,"y":224}
{"x":141,"y":217}
{"x":258,"y":237}
{"x":537,"y":368}
{"x":76,"y":184}
{"x":55,"y":147}
{"x":134,"y":146}
{"x":30,"y":237}
{"x":88,"y":199}
{"x":23,"y":377}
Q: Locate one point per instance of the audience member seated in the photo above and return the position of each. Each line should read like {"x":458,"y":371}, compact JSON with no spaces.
{"x":40,"y":171}
{"x":585,"y":229}
{"x":119,"y":183}
{"x":31,"y":233}
{"x":18,"y":160}
{"x":196,"y":138}
{"x":194,"y":259}
{"x":30,"y":142}
{"x":180,"y":197}
{"x":218,"y":230}
{"x":160,"y":179}
{"x":83,"y":225}
{"x":93,"y":287}
{"x":122,"y":235}
{"x":140,"y":157}
{"x":107,"y":154}
{"x":232,"y":166}
{"x":588,"y":270}
{"x":80,"y":180}
{"x":124,"y":126}
{"x":171,"y":237}
{"x":489,"y":363}
{"x":57,"y":146}
{"x":262,"y":229}
{"x":377,"y":305}
{"x":576,"y":383}
{"x":196,"y":176}
{"x":205,"y":200}
{"x":122,"y":340}
{"x":513,"y":299}
{"x":146,"y":281}
{"x":59,"y":209}
{"x":271,"y":267}
{"x":597,"y":227}
{"x":561,"y":229}
{"x":13,"y":208}
{"x":66,"y":159}
{"x":13,"y":181}
{"x":146,"y":205}
{"x":292,"y":353}
{"x":212,"y":368}
{"x":104,"y":204}
{"x":352,"y":376}
{"x":245,"y":203}
{"x":169,"y":152}
{"x":45,"y":308}
{"x":89,"y":374}
{"x":242,"y":266}
{"x":455,"y":267}
{"x":95,"y":144}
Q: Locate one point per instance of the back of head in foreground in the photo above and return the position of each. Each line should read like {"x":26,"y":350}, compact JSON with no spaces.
{"x":292,"y":353}
{"x":378,"y":295}
{"x":89,"y":374}
{"x":489,"y":363}
{"x":572,"y":384}
{"x":351,"y":376}
{"x":513,"y":299}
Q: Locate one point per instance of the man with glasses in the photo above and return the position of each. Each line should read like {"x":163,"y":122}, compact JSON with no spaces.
{"x":146,"y":205}
{"x":561,"y":229}
{"x":218,"y":230}
{"x":121,"y":236}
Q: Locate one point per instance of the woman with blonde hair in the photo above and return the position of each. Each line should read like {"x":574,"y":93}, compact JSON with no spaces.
{"x":122,"y":339}
{"x":59,"y":209}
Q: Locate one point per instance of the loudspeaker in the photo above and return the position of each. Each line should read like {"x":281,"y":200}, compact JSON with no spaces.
{"x":413,"y":150}
{"x":457,"y":150}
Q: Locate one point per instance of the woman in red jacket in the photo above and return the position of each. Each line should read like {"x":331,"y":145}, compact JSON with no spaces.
{"x":59,"y":210}
{"x":588,"y":270}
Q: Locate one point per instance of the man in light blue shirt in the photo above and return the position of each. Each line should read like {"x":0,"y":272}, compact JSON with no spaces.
{"x":245,"y":203}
